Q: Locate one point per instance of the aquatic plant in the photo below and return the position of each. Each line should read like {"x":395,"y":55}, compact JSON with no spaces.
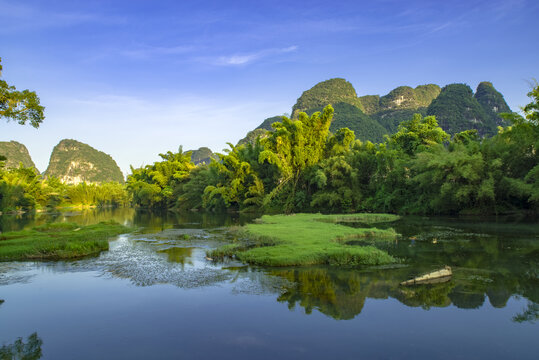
{"x":309,"y":239}
{"x":58,"y":241}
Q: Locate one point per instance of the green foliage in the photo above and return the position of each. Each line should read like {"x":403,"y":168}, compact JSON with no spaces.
{"x":103,"y":195}
{"x":15,"y":153}
{"x":329,"y":92}
{"x":425,"y":94}
{"x":31,"y":350}
{"x":391,"y":119}
{"x":516,"y":149}
{"x":154,"y":185}
{"x":416,"y":133}
{"x":75,"y":162}
{"x":239,"y":184}
{"x":301,"y":166}
{"x":310,"y":239}
{"x":253,"y":135}
{"x":58,"y":241}
{"x":20,"y":106}
{"x":190,"y":194}
{"x":333,"y":185}
{"x":294,"y":146}
{"x":20,"y":189}
{"x":371,"y":103}
{"x":266,"y":124}
{"x":351,"y":117}
{"x":23,"y":189}
{"x":453,"y":179}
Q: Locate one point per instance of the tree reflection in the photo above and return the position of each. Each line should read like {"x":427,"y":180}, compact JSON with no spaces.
{"x":530,"y":314}
{"x":341,"y":293}
{"x":19,"y":350}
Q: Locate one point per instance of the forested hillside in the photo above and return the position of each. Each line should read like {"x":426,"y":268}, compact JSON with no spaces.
{"x":371,"y":117}
{"x":15,"y":153}
{"x":419,"y":169}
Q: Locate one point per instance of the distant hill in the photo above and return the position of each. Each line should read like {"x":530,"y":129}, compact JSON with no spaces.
{"x":202,"y":156}
{"x":252,"y":135}
{"x":331,"y":91}
{"x":349,"y":116}
{"x":456,"y":110}
{"x":266,"y":124}
{"x":405,"y":97}
{"x":492,"y":102}
{"x":371,"y":117}
{"x":15,"y":153}
{"x":74,"y":162}
{"x":390,"y":119}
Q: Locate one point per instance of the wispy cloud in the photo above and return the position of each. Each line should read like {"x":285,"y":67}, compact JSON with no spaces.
{"x":16,"y":16}
{"x":243,"y":59}
{"x":146,"y":51}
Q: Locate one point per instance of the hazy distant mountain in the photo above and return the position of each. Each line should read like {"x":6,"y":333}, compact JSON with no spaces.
{"x":15,"y":153}
{"x":74,"y":162}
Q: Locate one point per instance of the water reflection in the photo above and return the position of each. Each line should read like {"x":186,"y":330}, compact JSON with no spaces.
{"x":149,"y":220}
{"x":491,"y":262}
{"x":31,"y":350}
{"x":180,"y":255}
{"x":341,"y":293}
{"x":530,"y":314}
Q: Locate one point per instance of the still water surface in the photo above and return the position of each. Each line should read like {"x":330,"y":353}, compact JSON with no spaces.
{"x":154,"y":296}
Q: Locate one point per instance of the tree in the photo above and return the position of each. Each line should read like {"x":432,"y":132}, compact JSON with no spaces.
{"x":294,"y":146}
{"x":240,"y":185}
{"x":418,"y":132}
{"x":154,"y":185}
{"x":21,"y":106}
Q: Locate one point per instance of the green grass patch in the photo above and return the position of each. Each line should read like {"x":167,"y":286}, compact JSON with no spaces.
{"x":58,"y":241}
{"x":309,"y":239}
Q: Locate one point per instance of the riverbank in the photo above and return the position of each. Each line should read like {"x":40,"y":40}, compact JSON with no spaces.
{"x":58,"y":241}
{"x":310,"y":239}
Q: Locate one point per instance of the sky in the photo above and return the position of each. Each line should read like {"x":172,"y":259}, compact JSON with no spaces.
{"x":137,"y":78}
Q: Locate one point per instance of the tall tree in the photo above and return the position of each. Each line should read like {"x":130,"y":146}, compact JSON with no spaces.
{"x":21,"y":106}
{"x":296,"y":145}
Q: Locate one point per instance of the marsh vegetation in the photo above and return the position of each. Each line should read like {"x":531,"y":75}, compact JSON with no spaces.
{"x":57,"y":241}
{"x":309,"y":239}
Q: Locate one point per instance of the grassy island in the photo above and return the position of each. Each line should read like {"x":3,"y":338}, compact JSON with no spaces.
{"x":310,"y":239}
{"x":58,"y":241}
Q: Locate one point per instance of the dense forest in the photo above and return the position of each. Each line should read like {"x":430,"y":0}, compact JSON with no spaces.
{"x":315,"y":162}
{"x":302,"y":166}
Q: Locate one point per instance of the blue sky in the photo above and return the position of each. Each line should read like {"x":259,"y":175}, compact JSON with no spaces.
{"x":137,"y":78}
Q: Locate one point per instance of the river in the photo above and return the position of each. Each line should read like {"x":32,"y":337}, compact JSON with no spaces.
{"x":153,"y":295}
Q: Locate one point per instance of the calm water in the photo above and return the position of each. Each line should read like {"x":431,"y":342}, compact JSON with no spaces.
{"x":154,"y":296}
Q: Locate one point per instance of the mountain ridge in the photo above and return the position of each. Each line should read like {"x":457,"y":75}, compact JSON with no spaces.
{"x":455,"y":106}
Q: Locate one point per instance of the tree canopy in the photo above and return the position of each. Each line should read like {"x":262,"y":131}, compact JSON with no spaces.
{"x":20,"y":106}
